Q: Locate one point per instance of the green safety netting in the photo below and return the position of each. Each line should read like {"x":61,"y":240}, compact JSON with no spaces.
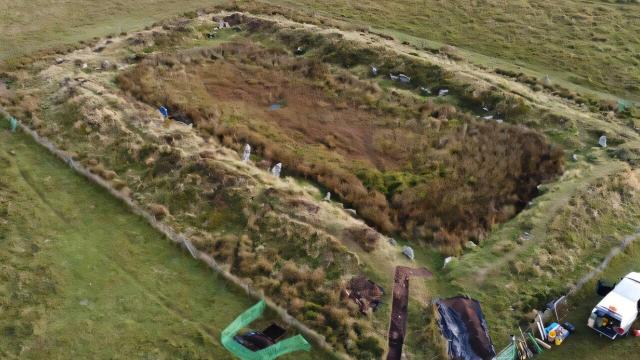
{"x":296,"y":343}
{"x":535,"y":344}
{"x":508,"y":353}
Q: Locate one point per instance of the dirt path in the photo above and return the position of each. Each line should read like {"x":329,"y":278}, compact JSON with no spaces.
{"x":400,"y":307}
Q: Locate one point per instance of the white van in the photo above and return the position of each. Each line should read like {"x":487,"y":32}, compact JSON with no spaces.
{"x":618,"y":310}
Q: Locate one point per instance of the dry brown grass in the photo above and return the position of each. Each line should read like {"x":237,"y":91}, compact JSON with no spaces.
{"x":427,"y":169}
{"x":159,"y":211}
{"x":365,"y":237}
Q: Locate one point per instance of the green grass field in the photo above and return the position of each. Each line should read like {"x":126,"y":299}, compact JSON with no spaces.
{"x":27,"y":26}
{"x":585,"y":343}
{"x":82,"y":277}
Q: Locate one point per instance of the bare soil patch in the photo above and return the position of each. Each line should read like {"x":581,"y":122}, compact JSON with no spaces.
{"x":399,"y":311}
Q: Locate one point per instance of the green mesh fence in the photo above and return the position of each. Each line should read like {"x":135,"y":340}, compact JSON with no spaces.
{"x":508,"y":353}
{"x":296,"y":343}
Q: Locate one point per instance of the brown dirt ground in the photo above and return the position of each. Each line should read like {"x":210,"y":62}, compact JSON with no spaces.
{"x":309,"y":116}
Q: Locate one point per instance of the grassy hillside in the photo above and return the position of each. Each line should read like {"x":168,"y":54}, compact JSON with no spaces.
{"x":82,"y":277}
{"x":523,"y":263}
{"x":27,"y":26}
{"x":383,"y":149}
{"x":536,"y":258}
{"x":593,"y":44}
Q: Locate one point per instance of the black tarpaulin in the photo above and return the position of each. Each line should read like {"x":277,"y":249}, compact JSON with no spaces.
{"x":463,"y":325}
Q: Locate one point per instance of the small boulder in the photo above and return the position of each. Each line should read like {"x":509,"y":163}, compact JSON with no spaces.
{"x":404,"y":79}
{"x":408,"y":252}
{"x":447,"y":261}
{"x":602,"y":141}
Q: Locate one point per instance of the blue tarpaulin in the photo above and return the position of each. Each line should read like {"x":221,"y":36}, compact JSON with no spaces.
{"x":164,"y":112}
{"x":275,"y":106}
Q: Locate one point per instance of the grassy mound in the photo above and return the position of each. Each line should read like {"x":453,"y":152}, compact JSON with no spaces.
{"x":422,"y":166}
